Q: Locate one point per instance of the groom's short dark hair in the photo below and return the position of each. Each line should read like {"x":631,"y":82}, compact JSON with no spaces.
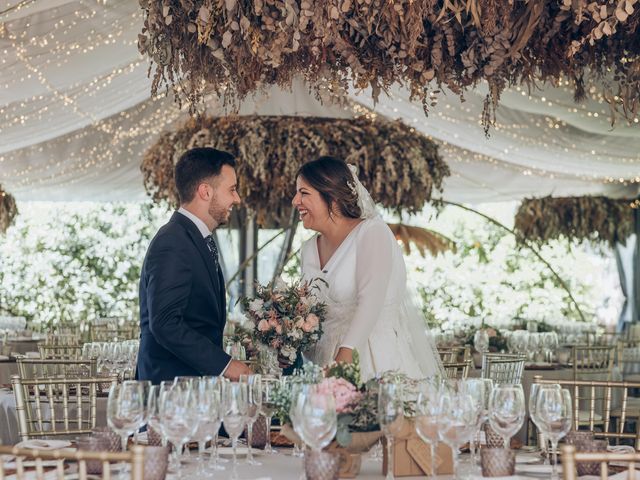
{"x":197,"y":165}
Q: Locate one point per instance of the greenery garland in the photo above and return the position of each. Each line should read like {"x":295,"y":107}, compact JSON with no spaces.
{"x":236,"y":48}
{"x":595,"y":219}
{"x":400,"y":167}
{"x":8,"y":210}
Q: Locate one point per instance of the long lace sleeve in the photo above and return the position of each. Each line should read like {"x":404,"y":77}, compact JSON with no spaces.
{"x":374,"y":264}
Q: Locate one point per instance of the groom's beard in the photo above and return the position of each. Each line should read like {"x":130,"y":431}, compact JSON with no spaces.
{"x":219,"y":214}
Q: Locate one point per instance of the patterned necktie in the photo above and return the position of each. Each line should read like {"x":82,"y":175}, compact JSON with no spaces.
{"x":213,"y":249}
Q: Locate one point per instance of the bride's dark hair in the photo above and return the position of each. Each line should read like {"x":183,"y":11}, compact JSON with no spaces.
{"x":332,"y":178}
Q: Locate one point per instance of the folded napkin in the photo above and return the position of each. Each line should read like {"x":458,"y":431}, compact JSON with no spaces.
{"x":621,"y":449}
{"x":42,"y":444}
{"x":3,"y":358}
{"x":32,"y":355}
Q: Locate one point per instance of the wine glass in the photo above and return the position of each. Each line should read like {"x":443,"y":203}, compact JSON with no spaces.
{"x":269,"y":387}
{"x":125,"y":409}
{"x":428,"y":411}
{"x":533,"y":399}
{"x":318,"y":421}
{"x":254,"y":388}
{"x":390,"y":417}
{"x":235,"y":403}
{"x":153,"y":408}
{"x":457,"y":421}
{"x":217,"y":384}
{"x":481,"y":341}
{"x":179,"y":419}
{"x":507,"y":410}
{"x":299,"y":391}
{"x":208,"y":407}
{"x":476,"y":389}
{"x":553,"y":409}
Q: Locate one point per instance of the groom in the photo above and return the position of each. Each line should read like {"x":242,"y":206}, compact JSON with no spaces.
{"x":182,"y":294}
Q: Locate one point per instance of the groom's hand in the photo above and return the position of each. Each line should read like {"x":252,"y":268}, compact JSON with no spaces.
{"x":235,"y":369}
{"x":344,"y":355}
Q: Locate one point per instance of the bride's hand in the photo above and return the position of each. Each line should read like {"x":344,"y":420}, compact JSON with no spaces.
{"x":344,"y":355}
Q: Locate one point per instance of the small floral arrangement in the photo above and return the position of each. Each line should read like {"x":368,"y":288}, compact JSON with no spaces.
{"x":287,"y":318}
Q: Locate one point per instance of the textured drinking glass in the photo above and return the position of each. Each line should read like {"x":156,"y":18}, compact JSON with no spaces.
{"x":498,"y":462}
{"x":319,"y":465}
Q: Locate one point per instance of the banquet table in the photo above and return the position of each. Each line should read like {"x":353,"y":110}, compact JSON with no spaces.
{"x":9,"y":416}
{"x":7,"y":368}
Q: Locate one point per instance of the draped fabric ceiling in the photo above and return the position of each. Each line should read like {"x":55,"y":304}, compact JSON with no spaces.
{"x":75,"y":117}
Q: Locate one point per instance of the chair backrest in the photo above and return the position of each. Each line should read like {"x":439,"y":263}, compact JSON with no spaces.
{"x":455,"y":354}
{"x":65,"y":336}
{"x":590,"y":360}
{"x":113,"y":333}
{"x":570,"y":459}
{"x":605,"y":398}
{"x":30,"y":368}
{"x":457,"y":370}
{"x":69,"y":352}
{"x":17,"y":457}
{"x":503,"y":367}
{"x":57,"y":406}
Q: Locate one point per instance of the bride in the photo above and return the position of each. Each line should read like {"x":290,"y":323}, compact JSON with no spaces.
{"x":356,"y":254}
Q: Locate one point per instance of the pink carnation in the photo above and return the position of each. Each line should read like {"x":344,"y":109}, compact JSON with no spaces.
{"x":344,"y":393}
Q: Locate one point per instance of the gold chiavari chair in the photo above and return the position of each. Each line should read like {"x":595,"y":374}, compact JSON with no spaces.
{"x":113,"y":333}
{"x":65,"y":336}
{"x":457,"y":370}
{"x":607,"y":418}
{"x":628,"y":359}
{"x":570,"y":459}
{"x":30,"y":368}
{"x":19,"y":456}
{"x":455,"y":354}
{"x":68,"y":352}
{"x":590,"y":361}
{"x":57,"y":406}
{"x":503,"y":367}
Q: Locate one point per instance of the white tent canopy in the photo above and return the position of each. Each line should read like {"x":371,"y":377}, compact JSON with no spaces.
{"x":76,"y":117}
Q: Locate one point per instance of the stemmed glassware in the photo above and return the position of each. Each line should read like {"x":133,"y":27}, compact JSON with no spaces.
{"x":476,"y":388}
{"x":218,"y":387}
{"x":235,"y":404}
{"x":553,"y":409}
{"x":179,"y":419}
{"x":428,"y":411}
{"x":507,"y":410}
{"x":254,"y":388}
{"x":299,"y":392}
{"x":125,"y":409}
{"x":318,"y":421}
{"x":390,"y":417}
{"x":533,"y":414}
{"x":153,"y":408}
{"x":208,"y":407}
{"x":269,"y":386}
{"x":457,"y":420}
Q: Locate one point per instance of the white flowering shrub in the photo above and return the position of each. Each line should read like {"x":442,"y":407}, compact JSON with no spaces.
{"x":74,"y":262}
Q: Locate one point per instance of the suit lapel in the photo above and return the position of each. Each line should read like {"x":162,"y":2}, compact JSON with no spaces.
{"x":200,"y":245}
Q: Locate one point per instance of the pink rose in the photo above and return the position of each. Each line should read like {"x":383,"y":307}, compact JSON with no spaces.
{"x":263,"y":326}
{"x":279,"y":329}
{"x":299,"y":322}
{"x":307,"y":327}
{"x":312,"y":319}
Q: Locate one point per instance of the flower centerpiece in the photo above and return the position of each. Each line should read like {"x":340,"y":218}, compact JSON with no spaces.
{"x":286,"y":318}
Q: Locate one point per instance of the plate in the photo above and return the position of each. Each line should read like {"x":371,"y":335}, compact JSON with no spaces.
{"x":241,"y":451}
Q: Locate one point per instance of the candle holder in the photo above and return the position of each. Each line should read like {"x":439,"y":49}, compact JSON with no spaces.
{"x":590,"y":446}
{"x":156,"y":462}
{"x":320,"y":465}
{"x":93,"y":443}
{"x":497,"y":462}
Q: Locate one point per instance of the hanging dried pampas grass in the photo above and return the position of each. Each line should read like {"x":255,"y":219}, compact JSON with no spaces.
{"x":8,"y":210}
{"x":400,"y":167}
{"x":595,"y":219}
{"x":237,"y":48}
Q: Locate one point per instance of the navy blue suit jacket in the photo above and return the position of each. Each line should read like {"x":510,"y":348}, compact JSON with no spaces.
{"x":182,"y":306}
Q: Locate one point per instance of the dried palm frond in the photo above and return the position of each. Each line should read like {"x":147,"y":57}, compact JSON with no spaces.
{"x":422,"y":238}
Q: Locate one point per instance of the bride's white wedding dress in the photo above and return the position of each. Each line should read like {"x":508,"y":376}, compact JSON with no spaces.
{"x":367,"y":305}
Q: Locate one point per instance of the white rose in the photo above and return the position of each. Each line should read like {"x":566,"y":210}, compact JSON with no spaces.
{"x":256,"y":306}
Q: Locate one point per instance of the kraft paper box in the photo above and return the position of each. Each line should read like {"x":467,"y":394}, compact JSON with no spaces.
{"x":412,"y":457}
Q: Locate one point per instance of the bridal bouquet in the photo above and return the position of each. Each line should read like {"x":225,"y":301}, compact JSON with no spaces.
{"x":287,"y":318}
